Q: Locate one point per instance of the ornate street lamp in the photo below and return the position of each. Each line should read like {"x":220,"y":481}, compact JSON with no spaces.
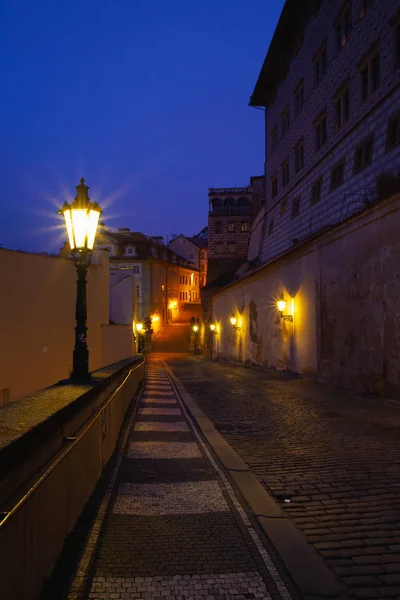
{"x":81,"y":220}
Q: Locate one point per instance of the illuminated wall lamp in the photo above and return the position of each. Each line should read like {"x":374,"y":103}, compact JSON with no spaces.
{"x":233,"y":323}
{"x":281,"y":304}
{"x":212,"y":328}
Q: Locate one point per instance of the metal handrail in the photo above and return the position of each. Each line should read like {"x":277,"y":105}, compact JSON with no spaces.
{"x":5,"y":517}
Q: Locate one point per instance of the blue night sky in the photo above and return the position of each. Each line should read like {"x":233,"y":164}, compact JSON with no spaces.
{"x":147,"y":99}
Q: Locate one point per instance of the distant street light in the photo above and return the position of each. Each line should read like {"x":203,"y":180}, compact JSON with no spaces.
{"x":139,"y":329}
{"x":81,"y":220}
{"x":195,"y":329}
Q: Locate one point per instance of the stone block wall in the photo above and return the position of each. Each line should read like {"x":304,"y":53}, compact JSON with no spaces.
{"x":373,"y":30}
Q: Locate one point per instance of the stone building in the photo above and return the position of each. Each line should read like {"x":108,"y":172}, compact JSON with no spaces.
{"x":230,"y":216}
{"x":326,"y":243}
{"x":332,"y":98}
{"x":164,"y":279}
{"x":194,"y":250}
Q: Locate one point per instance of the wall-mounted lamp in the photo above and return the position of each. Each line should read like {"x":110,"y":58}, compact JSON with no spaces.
{"x":195,"y":328}
{"x":139,"y":327}
{"x":234,"y":325}
{"x":281,"y":304}
{"x":212,"y":327}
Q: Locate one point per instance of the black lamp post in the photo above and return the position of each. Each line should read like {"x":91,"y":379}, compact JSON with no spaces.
{"x":81,"y":220}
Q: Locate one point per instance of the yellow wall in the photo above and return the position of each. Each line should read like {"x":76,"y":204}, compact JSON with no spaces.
{"x":37,"y":319}
{"x":117,"y":343}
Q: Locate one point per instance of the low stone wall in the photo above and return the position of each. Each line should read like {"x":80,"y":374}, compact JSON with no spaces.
{"x":53,"y":448}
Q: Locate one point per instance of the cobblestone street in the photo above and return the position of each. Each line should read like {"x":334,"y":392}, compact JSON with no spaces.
{"x":333,"y":454}
{"x":174,"y":528}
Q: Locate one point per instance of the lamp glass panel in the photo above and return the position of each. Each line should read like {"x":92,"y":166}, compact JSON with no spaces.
{"x":281,"y":305}
{"x":233,"y":321}
{"x":79,"y":225}
{"x":139,"y":326}
{"x":68,"y":225}
{"x":92,"y":222}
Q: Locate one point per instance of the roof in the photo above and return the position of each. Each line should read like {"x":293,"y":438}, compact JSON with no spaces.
{"x":291,"y":23}
{"x":199,"y":242}
{"x":143,"y":246}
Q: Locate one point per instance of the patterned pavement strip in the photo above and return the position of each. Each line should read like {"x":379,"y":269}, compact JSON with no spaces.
{"x":175,"y":529}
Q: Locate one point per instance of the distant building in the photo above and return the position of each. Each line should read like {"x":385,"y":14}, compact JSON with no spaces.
{"x":164,"y":279}
{"x":194,"y":250}
{"x":330,"y":85}
{"x":230,"y":217}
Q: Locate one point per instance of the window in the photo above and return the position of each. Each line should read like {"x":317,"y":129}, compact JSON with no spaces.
{"x":343,"y":26}
{"x":136,"y":269}
{"x":129,"y":250}
{"x":316,"y":191}
{"x":274,"y":139}
{"x":363,"y":155}
{"x":283,"y":207}
{"x":274,"y":186}
{"x":244,"y":226}
{"x":271,"y":227}
{"x":320,"y":63}
{"x":365,"y":4}
{"x":285,"y":121}
{"x":218,"y":227}
{"x":299,"y":156}
{"x":393,"y":131}
{"x":299,"y":98}
{"x":337,"y":175}
{"x":285,"y":173}
{"x":219,"y":248}
{"x":231,"y":247}
{"x":370,"y":76}
{"x":342,"y":108}
{"x":295,"y":207}
{"x":397,"y":45}
{"x":231,"y":227}
{"x":190,"y":255}
{"x":320,"y":131}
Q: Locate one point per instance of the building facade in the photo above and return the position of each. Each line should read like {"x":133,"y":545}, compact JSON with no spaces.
{"x":195,"y":251}
{"x":230,"y":217}
{"x":159,"y":273}
{"x":332,"y":98}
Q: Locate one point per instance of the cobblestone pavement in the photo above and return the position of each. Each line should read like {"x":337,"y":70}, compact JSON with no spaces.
{"x":174,"y":528}
{"x":334,"y":454}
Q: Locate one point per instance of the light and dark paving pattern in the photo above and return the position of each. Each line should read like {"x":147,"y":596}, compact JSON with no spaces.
{"x":333,"y":454}
{"x":174,"y":529}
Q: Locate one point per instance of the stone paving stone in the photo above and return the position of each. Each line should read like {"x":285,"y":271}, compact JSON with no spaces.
{"x":163,"y":450}
{"x":160,"y":411}
{"x":343,"y":471}
{"x":134,"y":546}
{"x":170,"y":498}
{"x":163,"y":436}
{"x":149,"y":470}
{"x":159,"y":401}
{"x":237,"y":586}
{"x":160,"y":426}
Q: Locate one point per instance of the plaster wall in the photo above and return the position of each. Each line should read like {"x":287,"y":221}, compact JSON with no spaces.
{"x":37,"y":320}
{"x":345,"y":288}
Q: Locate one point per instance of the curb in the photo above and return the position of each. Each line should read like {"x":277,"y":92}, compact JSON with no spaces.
{"x":306,"y":567}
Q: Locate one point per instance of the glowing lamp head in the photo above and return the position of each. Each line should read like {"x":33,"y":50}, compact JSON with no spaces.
{"x":233,"y":321}
{"x":195,"y":328}
{"x":81,"y":219}
{"x":212,"y":327}
{"x":281,"y":304}
{"x":139,"y":327}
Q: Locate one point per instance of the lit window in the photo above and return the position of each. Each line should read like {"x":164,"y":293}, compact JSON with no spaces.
{"x":231,"y":227}
{"x":365,"y":4}
{"x":316,"y":191}
{"x":218,"y":227}
{"x":245,"y":226}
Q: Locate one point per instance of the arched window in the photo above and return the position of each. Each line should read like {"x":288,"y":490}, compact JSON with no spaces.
{"x":243,"y":206}
{"x":216,"y":205}
{"x":229,"y":205}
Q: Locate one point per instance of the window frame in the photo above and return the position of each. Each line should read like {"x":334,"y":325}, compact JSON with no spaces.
{"x":336,"y":182}
{"x":370,"y":79}
{"x":271,"y":227}
{"x":274,"y":186}
{"x":218,"y":227}
{"x":340,"y":103}
{"x":296,"y":206}
{"x":299,"y":98}
{"x":299,"y":164}
{"x":390,"y":142}
{"x":244,"y":226}
{"x":285,"y":172}
{"x":231,"y":227}
{"x":360,"y":149}
{"x":320,"y":60}
{"x":316,"y":191}
{"x":285,"y":120}
{"x":343,"y":32}
{"x":274,"y":139}
{"x":321,"y":140}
